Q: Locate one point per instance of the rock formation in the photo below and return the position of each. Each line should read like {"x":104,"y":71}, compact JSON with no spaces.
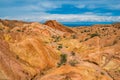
{"x":52,"y":51}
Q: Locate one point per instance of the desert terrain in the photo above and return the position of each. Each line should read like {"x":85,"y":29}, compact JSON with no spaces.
{"x":52,"y":51}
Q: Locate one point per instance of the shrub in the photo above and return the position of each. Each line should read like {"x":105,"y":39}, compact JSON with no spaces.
{"x":86,"y":39}
{"x":56,"y":38}
{"x":81,"y":40}
{"x":73,"y":53}
{"x":63,"y":59}
{"x":94,"y":34}
{"x":73,"y":62}
{"x":73,"y":36}
{"x":85,"y":30}
{"x":19,"y":30}
{"x":17,"y":57}
{"x":102,"y":73}
{"x":59,"y":47}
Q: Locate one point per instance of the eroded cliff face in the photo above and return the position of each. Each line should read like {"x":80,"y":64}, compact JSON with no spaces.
{"x":51,"y":51}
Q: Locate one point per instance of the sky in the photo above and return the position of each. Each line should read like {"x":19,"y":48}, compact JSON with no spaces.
{"x":61,"y":10}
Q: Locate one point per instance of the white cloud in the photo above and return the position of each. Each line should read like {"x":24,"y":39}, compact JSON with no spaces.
{"x":67,"y":18}
{"x":98,"y":13}
{"x":48,"y":5}
{"x":36,"y":12}
{"x":92,"y":4}
{"x":114,"y":6}
{"x":81,"y":6}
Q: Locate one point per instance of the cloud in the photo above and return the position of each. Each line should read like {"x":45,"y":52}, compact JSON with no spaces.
{"x":14,"y":7}
{"x":68,"y":18}
{"x":98,"y":13}
{"x":114,"y":6}
{"x":81,"y":6}
{"x":36,"y":10}
{"x":93,"y":4}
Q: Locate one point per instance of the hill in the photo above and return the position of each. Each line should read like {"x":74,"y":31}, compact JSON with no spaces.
{"x":52,"y":51}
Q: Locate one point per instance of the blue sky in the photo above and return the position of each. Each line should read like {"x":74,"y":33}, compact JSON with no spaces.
{"x":61,"y":10}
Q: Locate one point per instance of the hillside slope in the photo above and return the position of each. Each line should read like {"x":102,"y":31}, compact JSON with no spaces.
{"x":54,"y":24}
{"x":51,"y":51}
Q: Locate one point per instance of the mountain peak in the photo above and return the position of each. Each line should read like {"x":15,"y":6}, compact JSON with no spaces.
{"x":56,"y":25}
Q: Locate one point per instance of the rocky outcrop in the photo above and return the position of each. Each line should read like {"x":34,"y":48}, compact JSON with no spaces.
{"x":54,"y":24}
{"x":51,"y":51}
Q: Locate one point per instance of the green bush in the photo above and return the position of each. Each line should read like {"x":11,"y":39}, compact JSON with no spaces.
{"x":94,"y":34}
{"x":63,"y":59}
{"x":59,"y":47}
{"x":56,"y":38}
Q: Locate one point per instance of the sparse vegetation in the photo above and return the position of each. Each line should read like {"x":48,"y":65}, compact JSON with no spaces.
{"x":79,"y":55}
{"x":73,"y":36}
{"x":81,"y":40}
{"x":17,"y":57}
{"x":81,"y":31}
{"x":86,"y":30}
{"x":56,"y":38}
{"x":94,"y":34}
{"x":73,"y":53}
{"x":102,"y":73}
{"x":59,"y":46}
{"x":86,"y":39}
{"x":63,"y":59}
{"x":73,"y":62}
{"x":64,"y":36}
{"x":18,"y":30}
